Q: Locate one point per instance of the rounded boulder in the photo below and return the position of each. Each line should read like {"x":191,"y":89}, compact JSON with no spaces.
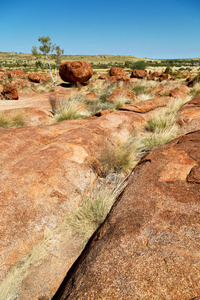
{"x":76,"y":71}
{"x":10,"y":91}
{"x":117,"y":71}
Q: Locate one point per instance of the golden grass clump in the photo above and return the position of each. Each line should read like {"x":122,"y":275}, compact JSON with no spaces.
{"x":14,"y":120}
{"x":117,"y":158}
{"x":195,"y":90}
{"x":85,"y":219}
{"x":67,"y":110}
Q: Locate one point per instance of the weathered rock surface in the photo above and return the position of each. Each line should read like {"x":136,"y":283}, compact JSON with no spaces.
{"x":44,"y":172}
{"x":117,"y":71}
{"x":32,"y":116}
{"x":91,"y":96}
{"x":150,"y":77}
{"x":180,"y":93}
{"x":157,"y":74}
{"x":189,"y":115}
{"x":138,"y":74}
{"x":148,"y":247}
{"x":10,"y":91}
{"x":169,"y":89}
{"x":117,"y":79}
{"x":34,"y":78}
{"x":103,"y":77}
{"x":148,"y":105}
{"x":76,"y":71}
{"x":165,"y":76}
{"x":126,"y":93}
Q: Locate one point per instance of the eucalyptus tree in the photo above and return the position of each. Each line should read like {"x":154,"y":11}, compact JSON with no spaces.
{"x":48,"y":56}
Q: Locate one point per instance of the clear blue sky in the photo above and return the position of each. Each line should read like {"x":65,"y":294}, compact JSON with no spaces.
{"x":144,"y":28}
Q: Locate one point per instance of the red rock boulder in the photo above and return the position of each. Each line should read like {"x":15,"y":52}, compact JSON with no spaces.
{"x":116,"y":79}
{"x":188,"y":117}
{"x":165,"y":76}
{"x":181,"y":92}
{"x":103,"y":77}
{"x":150,"y":77}
{"x":76,"y":71}
{"x":157,"y":74}
{"x":34,"y":78}
{"x":10,"y":92}
{"x":117,"y":71}
{"x":138,"y":74}
{"x":91,"y":96}
{"x":148,"y":246}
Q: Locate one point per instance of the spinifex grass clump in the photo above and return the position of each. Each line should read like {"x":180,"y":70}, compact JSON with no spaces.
{"x":67,"y":110}
{"x":15,"y":120}
{"x":160,"y":122}
{"x":160,"y":137}
{"x":117,"y":159}
{"x":96,"y":105}
{"x":139,"y":89}
{"x":162,"y":128}
{"x":85,"y":219}
{"x":195,"y":90}
{"x":120,"y":101}
{"x":166,"y":119}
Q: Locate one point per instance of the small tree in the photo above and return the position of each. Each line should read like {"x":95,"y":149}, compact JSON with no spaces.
{"x":48,"y":52}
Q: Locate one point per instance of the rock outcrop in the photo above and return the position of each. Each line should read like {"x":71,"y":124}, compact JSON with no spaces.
{"x":34,"y":78}
{"x":189,"y":115}
{"x":117,"y":79}
{"x":10,"y":91}
{"x":148,"y":105}
{"x":76,"y":71}
{"x":117,"y":71}
{"x":118,"y":93}
{"x":45,"y":170}
{"x":148,"y":247}
{"x":102,"y":77}
{"x":180,"y":93}
{"x":138,"y":74}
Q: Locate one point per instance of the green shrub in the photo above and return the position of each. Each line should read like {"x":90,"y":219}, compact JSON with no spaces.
{"x":169,"y":70}
{"x":139,"y":65}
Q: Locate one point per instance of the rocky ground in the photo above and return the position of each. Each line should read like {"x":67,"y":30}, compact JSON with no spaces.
{"x":148,"y":246}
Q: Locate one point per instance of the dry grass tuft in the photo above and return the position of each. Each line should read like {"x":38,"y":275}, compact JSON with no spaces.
{"x":195,"y":90}
{"x":121,"y":101}
{"x":85,"y":219}
{"x":117,"y":159}
{"x":67,"y":110}
{"x":14,"y":120}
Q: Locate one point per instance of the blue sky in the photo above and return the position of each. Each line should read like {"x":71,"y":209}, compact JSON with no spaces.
{"x":144,"y":28}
